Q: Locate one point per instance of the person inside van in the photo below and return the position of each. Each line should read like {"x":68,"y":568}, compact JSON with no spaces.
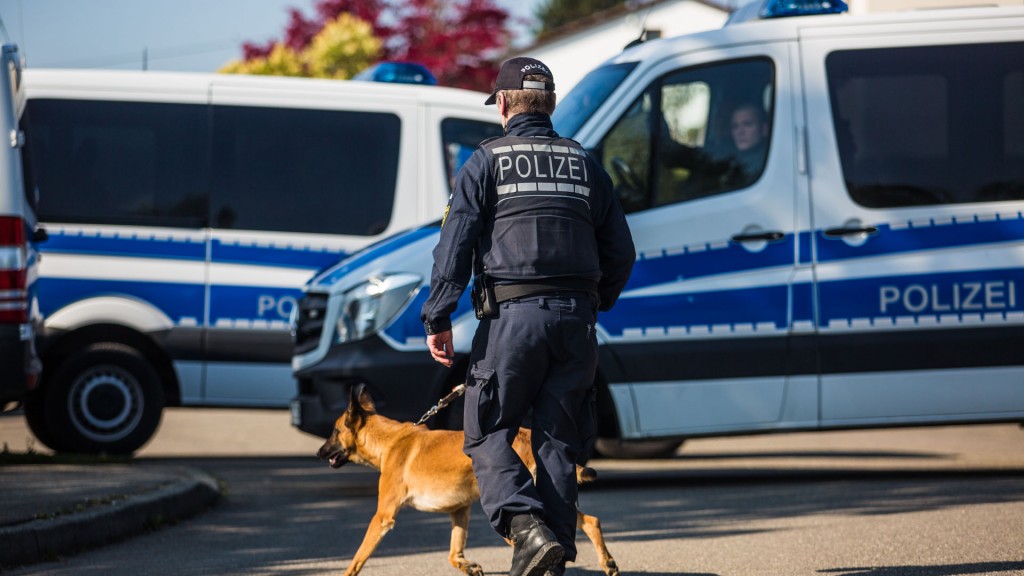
{"x":731,"y":167}
{"x":749,"y":128}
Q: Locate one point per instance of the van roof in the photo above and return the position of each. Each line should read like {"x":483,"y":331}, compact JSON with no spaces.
{"x":790,"y":28}
{"x":189,"y":87}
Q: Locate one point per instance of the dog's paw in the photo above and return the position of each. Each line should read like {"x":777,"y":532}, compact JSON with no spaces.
{"x":475,"y":569}
{"x":611,"y":568}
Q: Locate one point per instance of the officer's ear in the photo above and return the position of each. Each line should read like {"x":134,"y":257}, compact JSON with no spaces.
{"x":502,"y":104}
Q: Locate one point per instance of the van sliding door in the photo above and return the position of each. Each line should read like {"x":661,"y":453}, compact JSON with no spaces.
{"x":919,"y":235}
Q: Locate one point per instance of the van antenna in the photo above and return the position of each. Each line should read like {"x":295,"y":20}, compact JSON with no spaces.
{"x":643,"y":27}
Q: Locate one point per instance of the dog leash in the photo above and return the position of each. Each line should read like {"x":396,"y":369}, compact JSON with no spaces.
{"x":443,"y":402}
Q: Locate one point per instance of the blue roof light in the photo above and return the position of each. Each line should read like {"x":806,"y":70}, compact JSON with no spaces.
{"x":401,"y":72}
{"x":762,"y":9}
{"x":783,"y":8}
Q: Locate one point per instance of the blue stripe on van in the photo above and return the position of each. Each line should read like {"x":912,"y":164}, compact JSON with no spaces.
{"x":707,"y":260}
{"x":923,"y":236}
{"x":728,"y":310}
{"x":374,"y":251}
{"x":407,"y":326}
{"x":954,"y":298}
{"x":252,"y":306}
{"x":177,"y":301}
{"x":137,"y":245}
{"x":226,"y":252}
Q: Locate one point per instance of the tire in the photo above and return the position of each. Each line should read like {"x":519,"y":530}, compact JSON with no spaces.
{"x":105,"y":398}
{"x":35,"y":417}
{"x":644,"y":449}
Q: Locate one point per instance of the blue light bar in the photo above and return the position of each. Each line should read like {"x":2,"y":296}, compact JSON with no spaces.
{"x":400,"y":72}
{"x":784,"y":8}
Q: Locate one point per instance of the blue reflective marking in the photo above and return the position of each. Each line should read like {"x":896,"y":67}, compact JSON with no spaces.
{"x":258,"y":303}
{"x":803,"y":302}
{"x":944,"y":294}
{"x":408,"y":325}
{"x":175,"y":300}
{"x":273,"y":255}
{"x":695,"y":264}
{"x":746,"y":306}
{"x":373,"y":252}
{"x":918,"y":238}
{"x":133,"y":245}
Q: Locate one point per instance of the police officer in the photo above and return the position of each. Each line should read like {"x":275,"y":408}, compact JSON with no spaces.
{"x":533,"y":219}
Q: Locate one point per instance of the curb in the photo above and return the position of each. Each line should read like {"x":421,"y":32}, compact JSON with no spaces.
{"x":48,"y":539}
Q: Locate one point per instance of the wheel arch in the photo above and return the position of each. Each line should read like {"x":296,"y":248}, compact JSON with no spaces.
{"x":60,"y":344}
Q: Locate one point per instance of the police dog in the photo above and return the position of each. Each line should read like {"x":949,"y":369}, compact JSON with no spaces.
{"x":425,"y":469}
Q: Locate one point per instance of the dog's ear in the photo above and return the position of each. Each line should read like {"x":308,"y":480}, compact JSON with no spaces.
{"x":361,"y":397}
{"x":359,"y":402}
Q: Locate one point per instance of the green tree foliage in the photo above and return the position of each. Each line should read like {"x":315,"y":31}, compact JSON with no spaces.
{"x":555,"y":13}
{"x":460,"y":41}
{"x":342,"y":48}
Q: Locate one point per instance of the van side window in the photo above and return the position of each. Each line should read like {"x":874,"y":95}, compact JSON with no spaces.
{"x":910,"y":134}
{"x":119,"y":162}
{"x":295,"y":170}
{"x":460,"y":138}
{"x":694,"y":133}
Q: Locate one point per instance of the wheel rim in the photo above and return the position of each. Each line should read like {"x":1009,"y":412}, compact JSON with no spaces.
{"x":106,"y":403}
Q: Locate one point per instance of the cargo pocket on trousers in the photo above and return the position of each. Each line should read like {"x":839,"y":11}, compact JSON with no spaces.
{"x":479,"y":403}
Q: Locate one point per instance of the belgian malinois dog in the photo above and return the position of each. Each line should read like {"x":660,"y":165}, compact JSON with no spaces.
{"x":425,"y":469}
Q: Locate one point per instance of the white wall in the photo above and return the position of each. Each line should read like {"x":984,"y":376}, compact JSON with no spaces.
{"x":571,"y":57}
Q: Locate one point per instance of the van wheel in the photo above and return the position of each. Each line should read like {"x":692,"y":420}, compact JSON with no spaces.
{"x":103,"y":398}
{"x":35,"y":417}
{"x":644,"y":449}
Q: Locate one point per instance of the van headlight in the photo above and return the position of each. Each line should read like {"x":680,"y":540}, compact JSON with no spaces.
{"x":370,"y":306}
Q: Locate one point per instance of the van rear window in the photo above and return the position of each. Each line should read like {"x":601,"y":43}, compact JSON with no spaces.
{"x":230,"y":167}
{"x":294,"y":170}
{"x":930,"y":125}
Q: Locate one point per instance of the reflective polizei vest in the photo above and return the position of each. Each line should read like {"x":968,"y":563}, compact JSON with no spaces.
{"x":543,"y":212}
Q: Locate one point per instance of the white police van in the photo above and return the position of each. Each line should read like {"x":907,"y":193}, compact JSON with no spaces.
{"x":186,"y":211}
{"x":862,"y":267}
{"x":19,"y":257}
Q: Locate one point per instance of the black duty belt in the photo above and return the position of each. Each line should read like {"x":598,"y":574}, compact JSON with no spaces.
{"x":505,"y":292}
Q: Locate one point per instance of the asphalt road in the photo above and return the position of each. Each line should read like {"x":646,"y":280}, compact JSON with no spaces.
{"x":916,"y":502}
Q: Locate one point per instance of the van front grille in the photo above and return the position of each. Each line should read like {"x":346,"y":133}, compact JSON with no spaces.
{"x":309,"y":322}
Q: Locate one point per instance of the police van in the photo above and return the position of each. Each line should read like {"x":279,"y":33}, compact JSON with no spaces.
{"x":19,"y":235}
{"x":186,"y":211}
{"x":827,"y":211}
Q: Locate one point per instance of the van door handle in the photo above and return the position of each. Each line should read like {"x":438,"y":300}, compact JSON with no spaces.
{"x":850,"y":231}
{"x":759,"y":237}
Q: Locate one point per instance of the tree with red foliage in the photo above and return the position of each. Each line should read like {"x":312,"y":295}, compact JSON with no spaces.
{"x":460,"y":41}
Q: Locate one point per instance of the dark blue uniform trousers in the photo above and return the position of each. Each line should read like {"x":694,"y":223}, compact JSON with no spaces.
{"x":539,"y":354}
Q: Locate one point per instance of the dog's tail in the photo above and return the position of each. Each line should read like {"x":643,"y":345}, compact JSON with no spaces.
{"x":585,"y":474}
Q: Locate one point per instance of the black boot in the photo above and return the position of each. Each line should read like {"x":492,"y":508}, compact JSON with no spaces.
{"x":536,"y":550}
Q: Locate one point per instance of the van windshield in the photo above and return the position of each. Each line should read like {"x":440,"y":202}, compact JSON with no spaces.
{"x":587,"y":96}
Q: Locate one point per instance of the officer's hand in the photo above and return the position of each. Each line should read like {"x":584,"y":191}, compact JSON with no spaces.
{"x":440,"y":346}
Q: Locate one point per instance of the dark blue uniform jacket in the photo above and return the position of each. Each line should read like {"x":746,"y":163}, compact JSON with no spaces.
{"x":529,"y":206}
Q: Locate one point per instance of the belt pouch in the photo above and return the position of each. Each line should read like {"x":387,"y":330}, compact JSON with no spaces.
{"x":482,"y":296}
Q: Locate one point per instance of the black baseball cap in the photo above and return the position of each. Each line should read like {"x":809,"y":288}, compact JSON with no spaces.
{"x":514,"y":70}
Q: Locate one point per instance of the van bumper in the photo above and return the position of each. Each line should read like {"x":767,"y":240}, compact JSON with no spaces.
{"x":404,"y":385}
{"x":19,"y":365}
